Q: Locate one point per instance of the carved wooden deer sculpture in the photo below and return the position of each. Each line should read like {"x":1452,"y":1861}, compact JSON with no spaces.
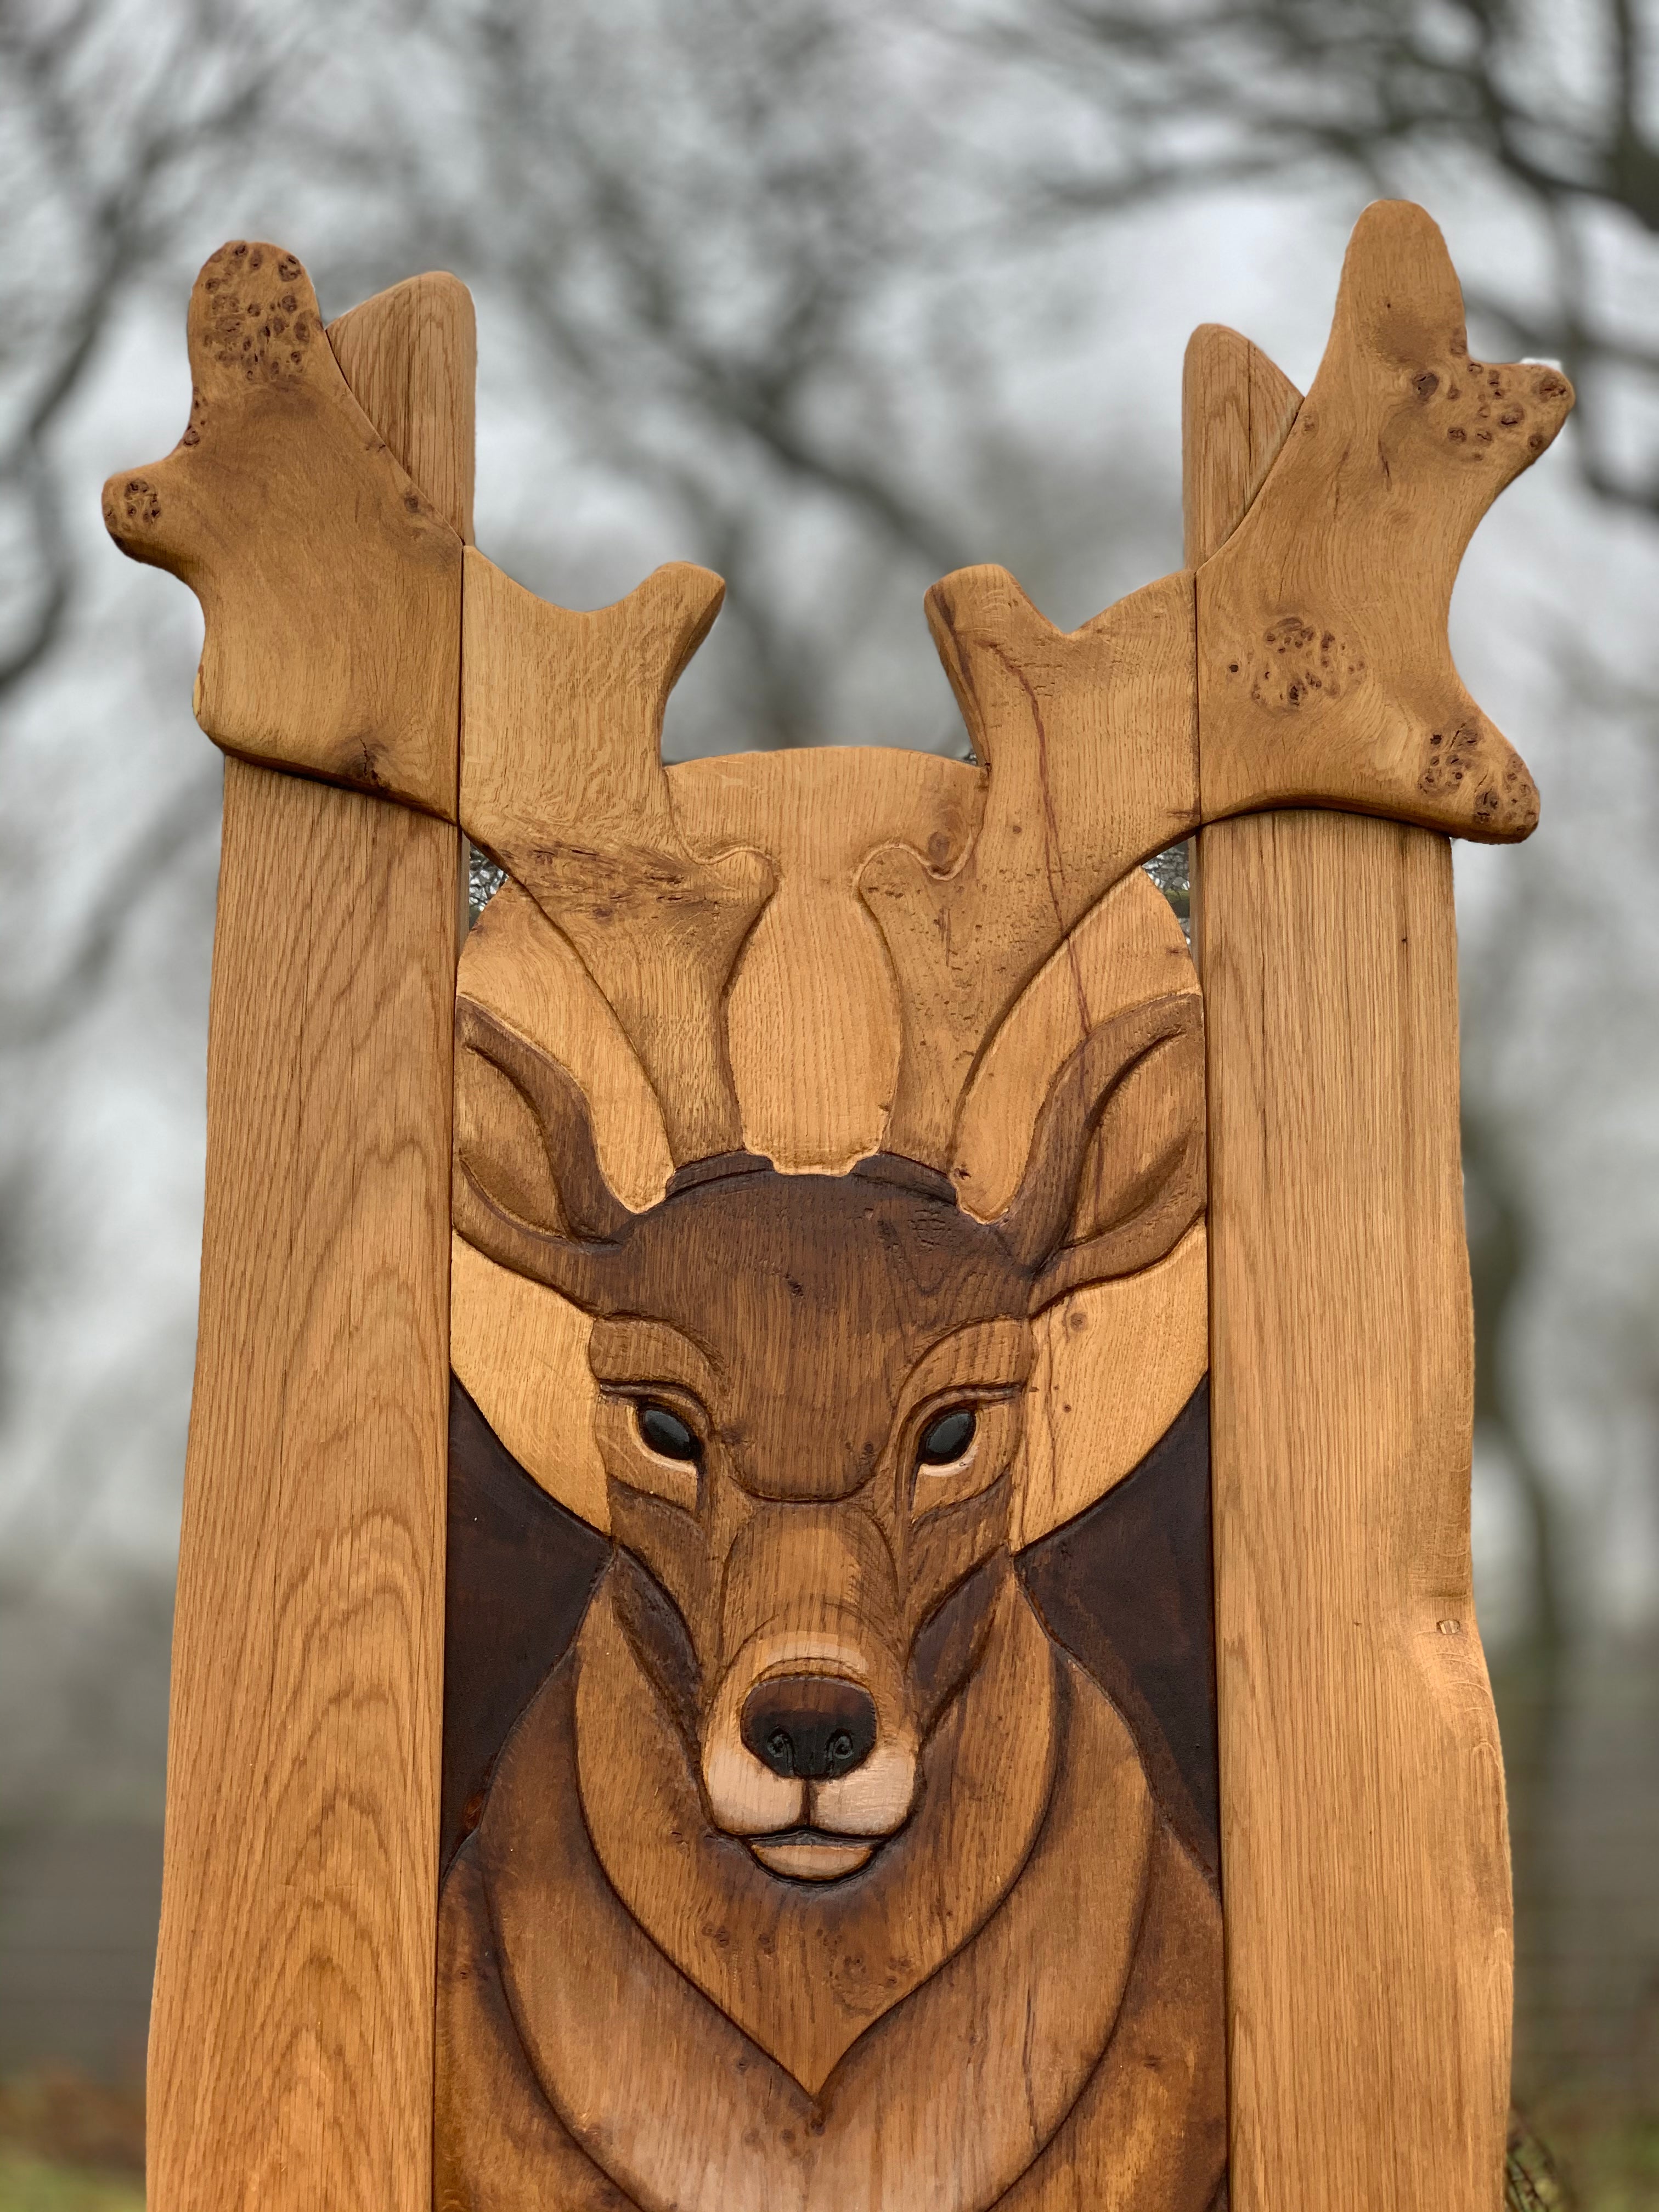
{"x":829,"y":1200}
{"x":798,"y":1839}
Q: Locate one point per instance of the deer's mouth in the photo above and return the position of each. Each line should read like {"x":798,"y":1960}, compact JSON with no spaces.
{"x":813,"y":1854}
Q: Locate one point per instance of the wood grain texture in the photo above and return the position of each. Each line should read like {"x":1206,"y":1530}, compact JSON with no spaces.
{"x":410,"y":357}
{"x":1325,"y":676}
{"x":329,"y":581}
{"x":1126,"y":1587}
{"x":812,"y":1013}
{"x":562,"y":783}
{"x":1362,"y":1809}
{"x":945,"y":2100}
{"x":1237,"y":408}
{"x":291,"y":2035}
{"x":1092,"y":746}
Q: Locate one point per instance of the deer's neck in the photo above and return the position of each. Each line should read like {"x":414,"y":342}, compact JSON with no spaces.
{"x":803,"y":1969}
{"x":951,"y":2093}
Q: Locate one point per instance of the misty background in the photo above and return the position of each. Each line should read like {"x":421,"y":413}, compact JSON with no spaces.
{"x":833,"y":298}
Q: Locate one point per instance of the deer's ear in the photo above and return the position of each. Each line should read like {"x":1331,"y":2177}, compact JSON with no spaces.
{"x":524,"y":1143}
{"x":1116,"y":1173}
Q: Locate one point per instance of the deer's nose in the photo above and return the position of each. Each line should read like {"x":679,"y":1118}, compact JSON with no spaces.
{"x":808,"y":1727}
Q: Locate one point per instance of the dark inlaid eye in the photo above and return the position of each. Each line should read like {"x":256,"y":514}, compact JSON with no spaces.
{"x":946,"y":1438}
{"x":664,"y":1433}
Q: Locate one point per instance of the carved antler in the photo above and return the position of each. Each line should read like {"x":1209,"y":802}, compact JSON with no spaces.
{"x":1325,"y":675}
{"x":561,"y":780}
{"x":1306,"y":663}
{"x":330,"y":587}
{"x":1091,"y":748}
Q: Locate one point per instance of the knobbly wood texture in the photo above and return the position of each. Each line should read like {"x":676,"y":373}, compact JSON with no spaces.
{"x":291,"y":2036}
{"x":329,"y":581}
{"x":831,"y":1864}
{"x":1362,"y":1809}
{"x":1324,"y":672}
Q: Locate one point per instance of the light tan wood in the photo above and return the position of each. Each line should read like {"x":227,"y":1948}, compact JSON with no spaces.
{"x":1325,"y":676}
{"x":410,"y":357}
{"x":1364,"y":1845}
{"x":814,"y":1041}
{"x":329,"y":581}
{"x":561,"y":780}
{"x":1127,"y":949}
{"x":291,"y":2036}
{"x":1091,"y":744}
{"x":1364,"y":1849}
{"x":521,"y":1351}
{"x":813,"y":1016}
{"x":1115,"y":1364}
{"x":1237,"y":408}
{"x":516,"y":963}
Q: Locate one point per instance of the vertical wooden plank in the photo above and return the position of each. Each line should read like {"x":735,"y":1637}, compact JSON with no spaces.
{"x":1364,"y":1856}
{"x":411,"y":355}
{"x":291,"y":2037}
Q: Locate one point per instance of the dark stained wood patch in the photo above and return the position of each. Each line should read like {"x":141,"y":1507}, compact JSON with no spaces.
{"x":1127,"y":1588}
{"x":520,"y":1571}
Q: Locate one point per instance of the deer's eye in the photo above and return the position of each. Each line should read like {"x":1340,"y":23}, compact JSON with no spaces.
{"x":945,"y":1440}
{"x":664,"y":1433}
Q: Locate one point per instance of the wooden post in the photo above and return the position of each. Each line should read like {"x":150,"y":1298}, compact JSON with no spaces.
{"x":291,"y":2036}
{"x":1364,"y":1854}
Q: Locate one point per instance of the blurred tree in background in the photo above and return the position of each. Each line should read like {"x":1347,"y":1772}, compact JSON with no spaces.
{"x":833,"y":298}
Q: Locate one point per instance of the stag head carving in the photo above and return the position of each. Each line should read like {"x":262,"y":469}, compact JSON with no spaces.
{"x":827,"y":1753}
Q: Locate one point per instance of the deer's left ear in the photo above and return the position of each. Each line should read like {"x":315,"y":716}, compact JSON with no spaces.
{"x":1116,"y":1173}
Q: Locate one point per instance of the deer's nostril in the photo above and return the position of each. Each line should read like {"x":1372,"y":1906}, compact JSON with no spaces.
{"x":808,"y":1727}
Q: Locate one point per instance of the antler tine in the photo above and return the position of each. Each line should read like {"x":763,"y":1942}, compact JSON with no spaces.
{"x":330,"y":586}
{"x":1090,"y":744}
{"x":1325,"y":674}
{"x":561,"y":780}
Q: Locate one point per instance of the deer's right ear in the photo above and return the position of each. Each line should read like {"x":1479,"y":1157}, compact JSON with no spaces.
{"x":1117,"y":1174}
{"x":529,"y":1188}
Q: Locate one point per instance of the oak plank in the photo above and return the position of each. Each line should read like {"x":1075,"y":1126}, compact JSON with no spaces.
{"x":1363,"y":1843}
{"x":291,"y":2039}
{"x":410,"y":357}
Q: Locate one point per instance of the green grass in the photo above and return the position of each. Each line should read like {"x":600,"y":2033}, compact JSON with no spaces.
{"x":1615,"y":2166}
{"x":33,"y":2184}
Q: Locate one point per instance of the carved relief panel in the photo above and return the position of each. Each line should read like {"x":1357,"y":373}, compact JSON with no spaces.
{"x":861,"y":1829}
{"x":866,"y":1635}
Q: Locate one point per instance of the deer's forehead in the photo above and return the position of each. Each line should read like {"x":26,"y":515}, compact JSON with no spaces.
{"x":769,"y":1259}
